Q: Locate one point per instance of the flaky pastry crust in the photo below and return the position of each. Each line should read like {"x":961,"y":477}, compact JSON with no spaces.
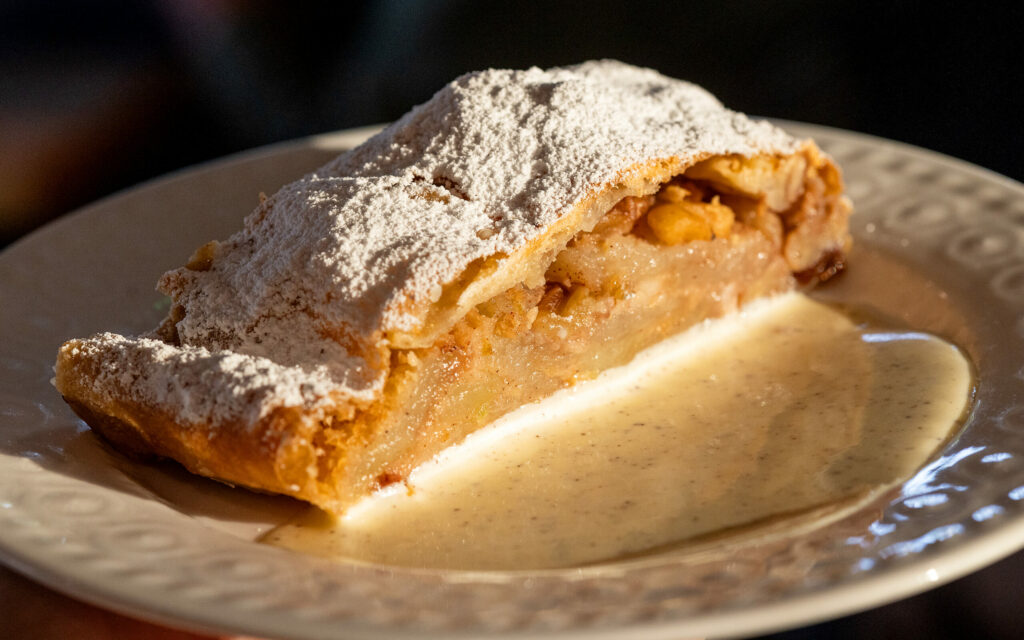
{"x":296,"y":348}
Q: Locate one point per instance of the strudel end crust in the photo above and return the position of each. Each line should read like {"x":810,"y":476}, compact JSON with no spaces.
{"x":520,"y":231}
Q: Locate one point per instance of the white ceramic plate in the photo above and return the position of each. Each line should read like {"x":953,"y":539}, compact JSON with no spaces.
{"x":940,"y":244}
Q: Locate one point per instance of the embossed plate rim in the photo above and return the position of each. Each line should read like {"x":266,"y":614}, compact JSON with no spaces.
{"x":525,"y":617}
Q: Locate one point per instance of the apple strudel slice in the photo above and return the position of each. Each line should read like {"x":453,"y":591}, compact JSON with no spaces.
{"x":519,"y":232}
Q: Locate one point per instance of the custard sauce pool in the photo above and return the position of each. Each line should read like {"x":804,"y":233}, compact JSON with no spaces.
{"x":786,"y":407}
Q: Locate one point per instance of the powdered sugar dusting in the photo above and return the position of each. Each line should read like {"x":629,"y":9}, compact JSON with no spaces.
{"x":201,"y":387}
{"x":330,"y":264}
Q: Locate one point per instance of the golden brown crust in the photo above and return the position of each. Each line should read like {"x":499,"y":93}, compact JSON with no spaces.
{"x":272,"y":454}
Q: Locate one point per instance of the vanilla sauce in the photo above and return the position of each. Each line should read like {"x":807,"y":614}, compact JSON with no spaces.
{"x":786,"y":407}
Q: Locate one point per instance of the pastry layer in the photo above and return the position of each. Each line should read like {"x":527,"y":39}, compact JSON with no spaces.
{"x":433,"y":279}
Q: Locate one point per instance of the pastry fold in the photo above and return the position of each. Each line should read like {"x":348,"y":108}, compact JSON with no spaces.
{"x":519,"y":232}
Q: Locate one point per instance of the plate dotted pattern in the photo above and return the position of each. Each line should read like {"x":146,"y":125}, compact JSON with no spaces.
{"x":69,"y":518}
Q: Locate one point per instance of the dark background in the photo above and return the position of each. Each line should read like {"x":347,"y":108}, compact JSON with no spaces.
{"x":96,"y":96}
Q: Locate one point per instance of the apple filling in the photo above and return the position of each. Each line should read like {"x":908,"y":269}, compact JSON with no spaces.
{"x":727,"y":231}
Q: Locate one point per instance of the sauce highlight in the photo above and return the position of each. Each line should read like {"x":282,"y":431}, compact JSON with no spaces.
{"x":787,"y":407}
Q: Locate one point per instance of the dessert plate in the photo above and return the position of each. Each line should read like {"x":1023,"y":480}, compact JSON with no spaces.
{"x":940,"y":246}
